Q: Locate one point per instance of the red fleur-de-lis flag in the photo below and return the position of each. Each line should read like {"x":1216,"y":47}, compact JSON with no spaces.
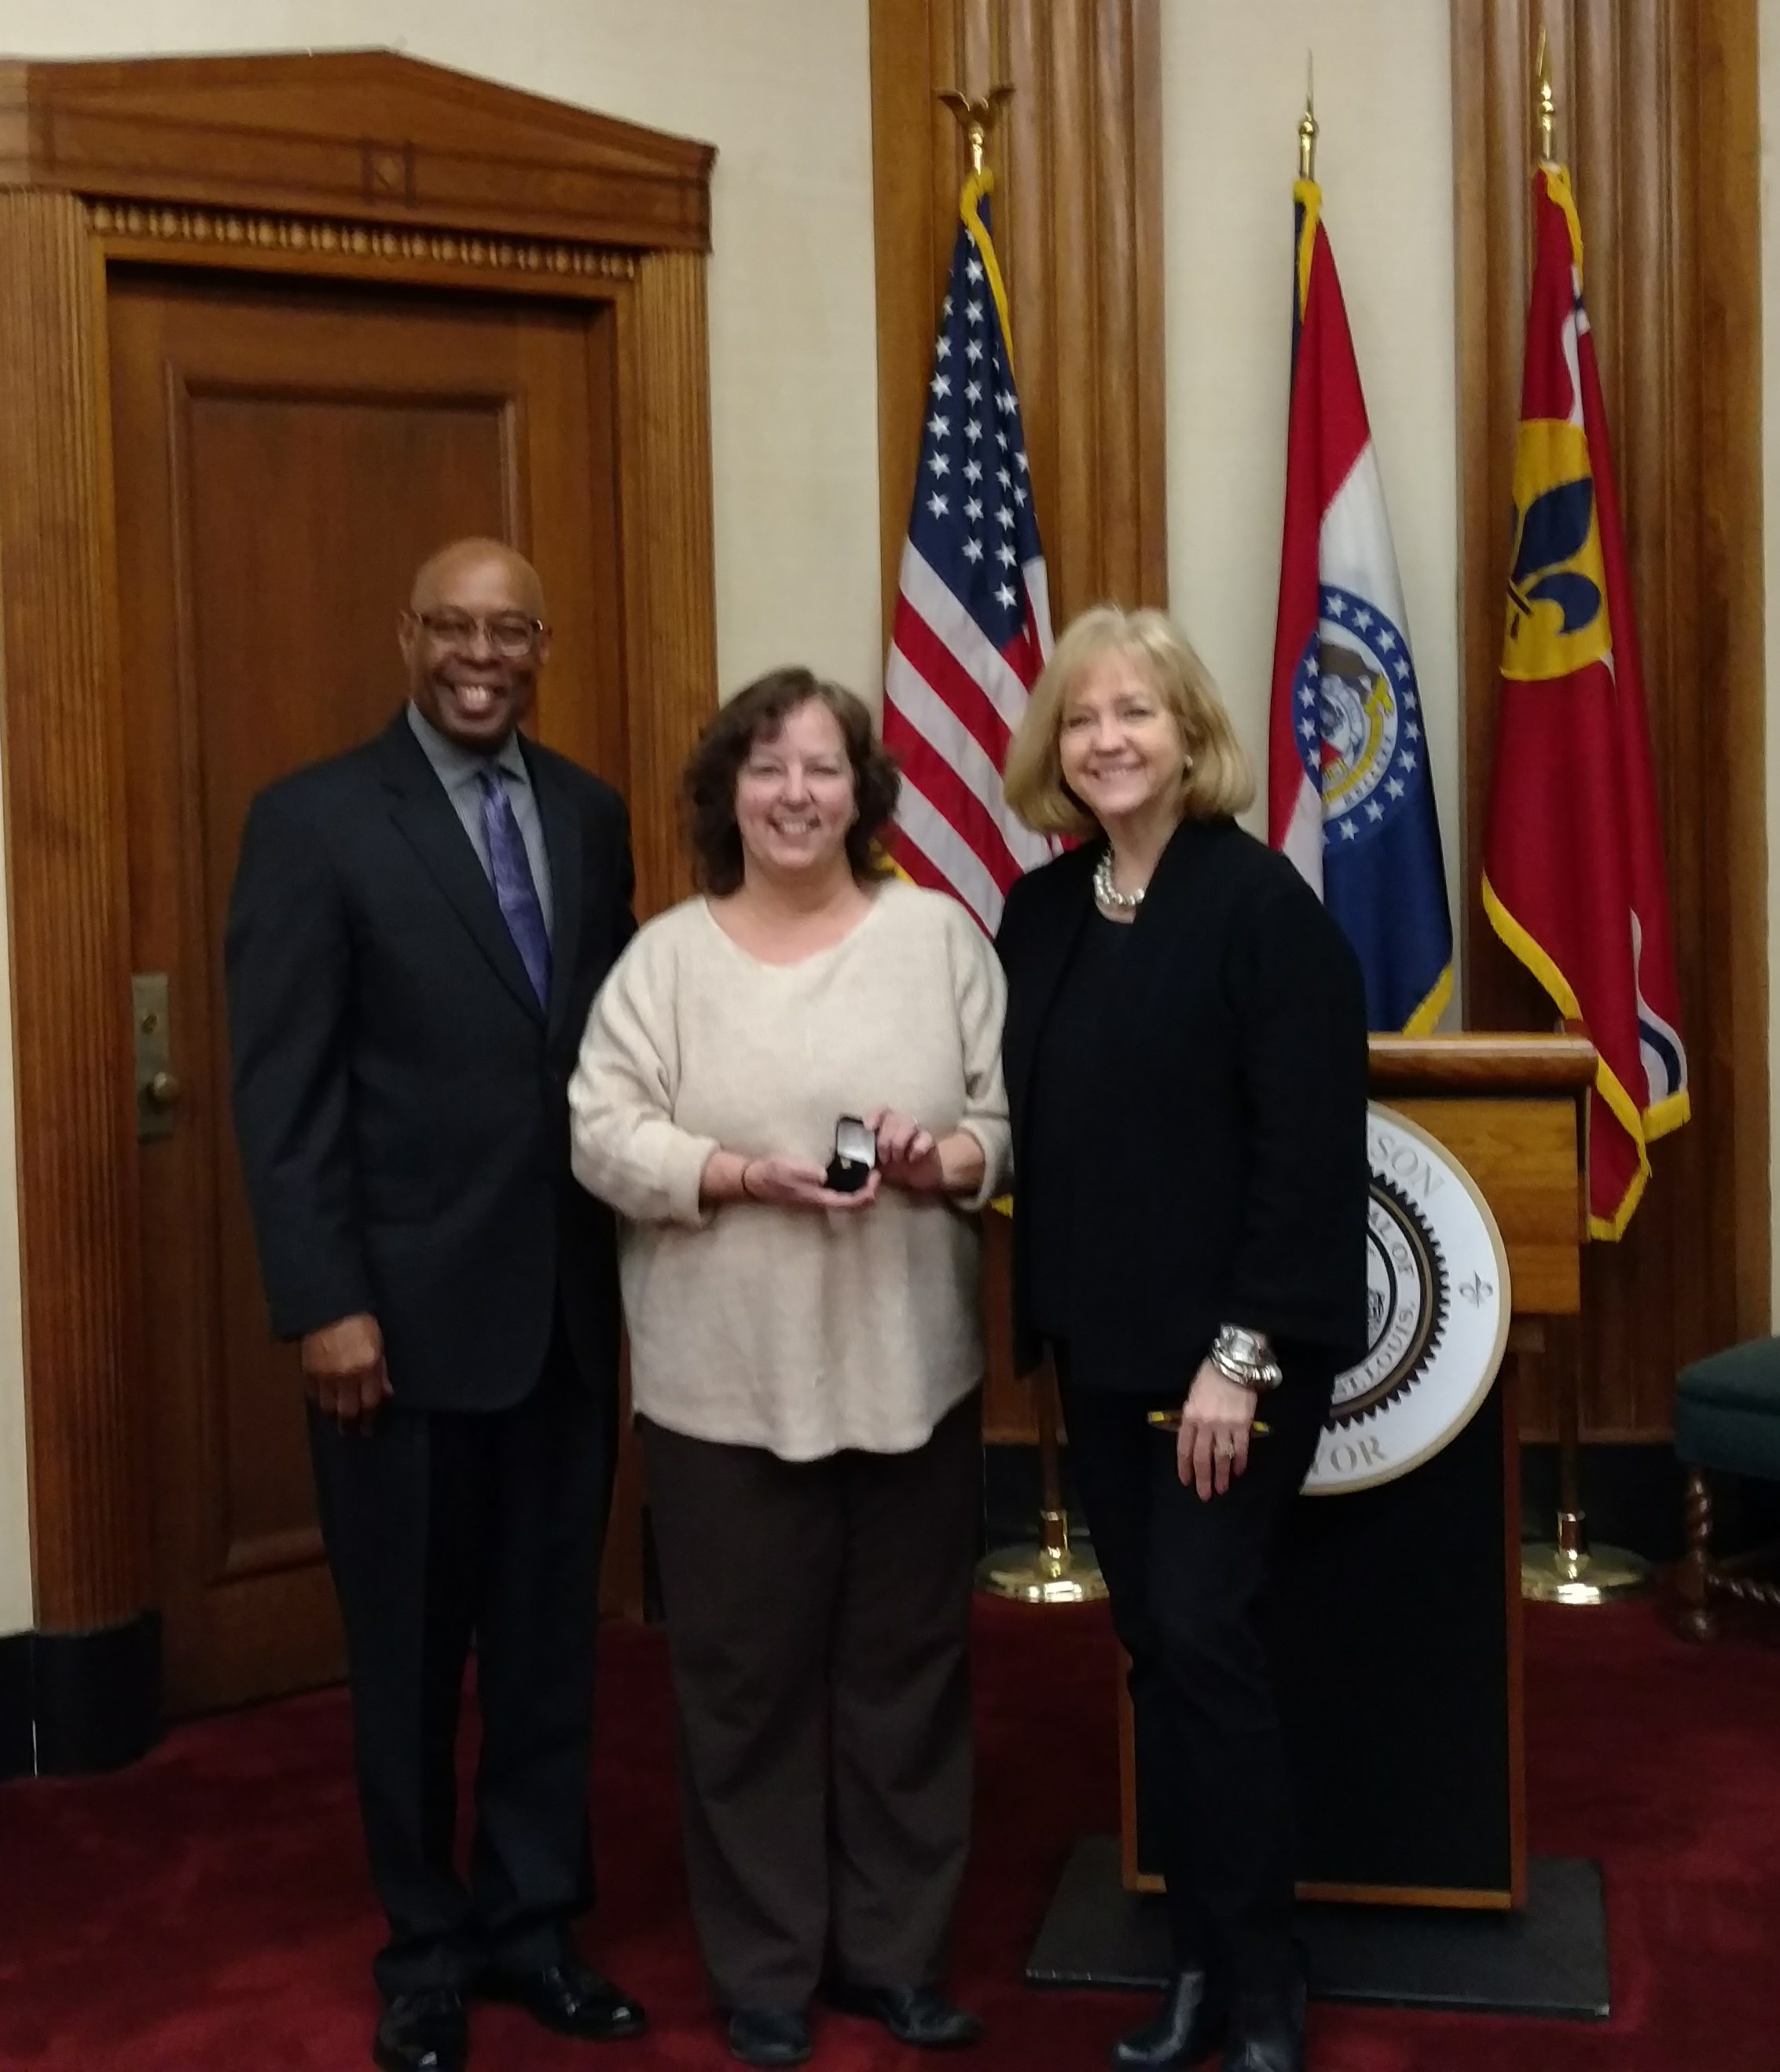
{"x":1573,"y":878}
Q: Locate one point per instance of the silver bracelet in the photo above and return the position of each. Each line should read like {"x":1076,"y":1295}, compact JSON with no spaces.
{"x":1247,"y":1358}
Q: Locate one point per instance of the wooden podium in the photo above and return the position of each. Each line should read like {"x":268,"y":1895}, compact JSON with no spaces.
{"x":1401,"y":1611}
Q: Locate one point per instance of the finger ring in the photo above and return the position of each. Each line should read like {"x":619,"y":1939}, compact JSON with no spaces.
{"x":1227,"y":1450}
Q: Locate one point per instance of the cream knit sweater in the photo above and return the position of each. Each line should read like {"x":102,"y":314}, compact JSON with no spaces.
{"x":790,"y":1329}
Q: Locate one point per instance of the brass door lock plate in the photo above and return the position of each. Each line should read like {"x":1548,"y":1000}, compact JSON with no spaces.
{"x":157,"y":1088}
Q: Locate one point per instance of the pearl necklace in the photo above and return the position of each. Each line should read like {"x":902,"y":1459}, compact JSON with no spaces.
{"x":1108,"y":893}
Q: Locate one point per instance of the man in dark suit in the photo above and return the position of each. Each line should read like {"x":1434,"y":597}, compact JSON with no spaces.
{"x":417,"y":930}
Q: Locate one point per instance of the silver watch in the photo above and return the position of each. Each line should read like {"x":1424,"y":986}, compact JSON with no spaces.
{"x":1247,"y":1358}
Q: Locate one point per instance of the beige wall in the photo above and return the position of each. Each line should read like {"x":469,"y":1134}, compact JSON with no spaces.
{"x":783,"y":90}
{"x":1233,"y":82}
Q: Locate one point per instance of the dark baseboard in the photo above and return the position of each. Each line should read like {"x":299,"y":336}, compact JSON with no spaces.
{"x":1631,"y":1496}
{"x":72,"y":1704}
{"x":18,"y":1743}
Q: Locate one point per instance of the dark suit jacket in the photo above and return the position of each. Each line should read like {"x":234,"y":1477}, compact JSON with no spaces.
{"x":400,"y":1098}
{"x":1230,"y":1117}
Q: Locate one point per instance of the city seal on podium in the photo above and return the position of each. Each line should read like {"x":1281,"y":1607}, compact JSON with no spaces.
{"x":1437,"y":1308}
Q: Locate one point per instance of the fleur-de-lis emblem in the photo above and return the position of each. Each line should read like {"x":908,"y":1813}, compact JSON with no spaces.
{"x":1554,"y":530}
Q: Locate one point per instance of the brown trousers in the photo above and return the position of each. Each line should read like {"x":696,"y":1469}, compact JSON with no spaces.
{"x":818,"y":1624}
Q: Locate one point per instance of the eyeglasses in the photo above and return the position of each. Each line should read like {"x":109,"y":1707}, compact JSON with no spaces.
{"x":508,"y":634}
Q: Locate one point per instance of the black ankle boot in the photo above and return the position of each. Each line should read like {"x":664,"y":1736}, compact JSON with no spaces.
{"x":1186,"y":2027}
{"x":1267,"y":2031}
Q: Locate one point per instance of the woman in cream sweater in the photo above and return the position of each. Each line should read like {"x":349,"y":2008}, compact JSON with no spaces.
{"x":805,"y":1361}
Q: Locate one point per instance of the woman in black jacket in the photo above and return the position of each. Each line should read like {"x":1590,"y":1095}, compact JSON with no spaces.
{"x":1187,"y":1067}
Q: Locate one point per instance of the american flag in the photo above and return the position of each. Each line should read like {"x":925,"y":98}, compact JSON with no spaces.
{"x":972,"y":622}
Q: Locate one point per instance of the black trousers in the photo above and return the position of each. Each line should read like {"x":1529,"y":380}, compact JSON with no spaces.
{"x":1189,"y":1583}
{"x":819,"y":1628}
{"x":440,"y":1526}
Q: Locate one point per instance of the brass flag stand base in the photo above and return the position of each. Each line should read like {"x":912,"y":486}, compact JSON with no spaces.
{"x":1571,"y":1572}
{"x":1052,"y":1573}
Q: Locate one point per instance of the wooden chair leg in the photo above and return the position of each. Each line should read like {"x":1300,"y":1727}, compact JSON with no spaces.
{"x":1697,"y":1620}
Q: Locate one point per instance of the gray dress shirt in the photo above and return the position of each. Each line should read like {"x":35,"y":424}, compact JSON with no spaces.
{"x":458,"y":770}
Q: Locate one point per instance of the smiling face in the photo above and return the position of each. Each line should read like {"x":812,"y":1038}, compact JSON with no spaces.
{"x":474,"y":642}
{"x":794,"y":796}
{"x":1120,"y":744}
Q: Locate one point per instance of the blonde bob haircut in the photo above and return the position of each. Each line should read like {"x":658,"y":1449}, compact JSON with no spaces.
{"x":1219,"y":778}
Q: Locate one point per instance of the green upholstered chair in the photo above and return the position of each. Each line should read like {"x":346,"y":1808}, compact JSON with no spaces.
{"x":1727,"y":1418}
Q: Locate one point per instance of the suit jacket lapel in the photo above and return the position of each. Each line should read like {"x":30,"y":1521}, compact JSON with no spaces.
{"x":1171,"y":886}
{"x":1055,"y":937}
{"x":562,"y":845}
{"x":1164,"y":919}
{"x":420,"y":809}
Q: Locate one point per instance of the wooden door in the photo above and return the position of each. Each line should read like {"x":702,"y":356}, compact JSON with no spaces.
{"x":285,"y":458}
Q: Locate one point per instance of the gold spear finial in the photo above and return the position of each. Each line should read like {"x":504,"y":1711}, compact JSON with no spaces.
{"x":1547,"y":101}
{"x":1307,"y":123}
{"x":976,"y":117}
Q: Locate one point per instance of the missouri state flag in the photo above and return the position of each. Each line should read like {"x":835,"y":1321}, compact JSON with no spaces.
{"x":1350,"y":797}
{"x":1573,"y":877}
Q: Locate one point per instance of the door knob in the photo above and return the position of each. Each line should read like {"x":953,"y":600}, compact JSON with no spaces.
{"x":163,"y":1090}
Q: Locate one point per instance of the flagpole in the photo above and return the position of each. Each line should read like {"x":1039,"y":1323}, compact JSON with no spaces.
{"x":1050,"y":1570}
{"x":976,"y":117}
{"x":1567,"y":1571}
{"x":1307,"y":123}
{"x":1548,"y":101}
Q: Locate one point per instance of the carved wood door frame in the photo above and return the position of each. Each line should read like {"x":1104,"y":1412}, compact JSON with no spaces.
{"x":348,"y":166}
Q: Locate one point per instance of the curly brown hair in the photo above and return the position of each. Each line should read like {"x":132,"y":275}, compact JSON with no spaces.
{"x":754,"y":714}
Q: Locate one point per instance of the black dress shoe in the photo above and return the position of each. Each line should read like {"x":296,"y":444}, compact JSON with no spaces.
{"x":769,"y":2036}
{"x":571,"y":1998}
{"x":1187,"y":2026}
{"x":918,"y":2015}
{"x":1267,"y":2031}
{"x":424,"y":2032}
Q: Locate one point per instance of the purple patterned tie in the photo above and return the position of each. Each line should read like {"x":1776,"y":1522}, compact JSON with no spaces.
{"x":515,"y":886}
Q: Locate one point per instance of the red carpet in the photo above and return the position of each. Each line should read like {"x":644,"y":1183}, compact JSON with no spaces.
{"x":207,"y":1912}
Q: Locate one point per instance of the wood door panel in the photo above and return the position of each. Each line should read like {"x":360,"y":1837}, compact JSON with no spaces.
{"x":262,"y":706}
{"x":285,"y":459}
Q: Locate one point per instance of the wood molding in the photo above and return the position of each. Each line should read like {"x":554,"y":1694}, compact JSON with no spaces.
{"x":1078,"y":230}
{"x":1733,"y":643}
{"x":149,"y":232}
{"x":1659,"y":121}
{"x":1510,"y":1065}
{"x":70,"y":944}
{"x":370,"y":135}
{"x":669,"y":552}
{"x":669,"y":577}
